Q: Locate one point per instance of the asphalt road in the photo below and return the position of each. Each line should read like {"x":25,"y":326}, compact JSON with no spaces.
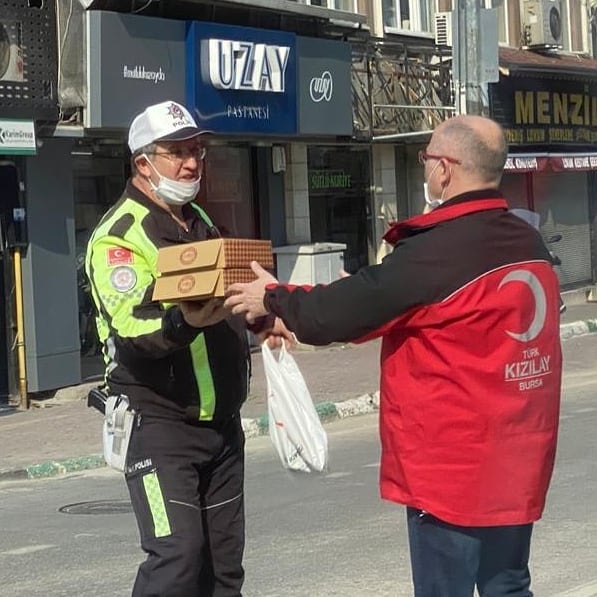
{"x":308,"y":536}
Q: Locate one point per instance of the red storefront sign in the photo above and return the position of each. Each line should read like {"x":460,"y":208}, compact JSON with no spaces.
{"x":576,"y":162}
{"x":554,"y":162}
{"x":525,"y":163}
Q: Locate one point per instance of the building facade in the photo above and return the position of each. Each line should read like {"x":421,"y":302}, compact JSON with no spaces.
{"x":320,"y":149}
{"x":543,"y":98}
{"x":548,"y":107}
{"x":273,"y":82}
{"x":36,"y":242}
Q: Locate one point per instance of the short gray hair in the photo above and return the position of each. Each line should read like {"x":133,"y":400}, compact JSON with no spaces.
{"x":484,"y":160}
{"x":148,"y":149}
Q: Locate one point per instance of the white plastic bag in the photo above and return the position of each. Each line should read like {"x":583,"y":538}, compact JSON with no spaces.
{"x":294,"y":426}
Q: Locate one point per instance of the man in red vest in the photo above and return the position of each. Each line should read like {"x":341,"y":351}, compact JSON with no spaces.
{"x":467,"y":305}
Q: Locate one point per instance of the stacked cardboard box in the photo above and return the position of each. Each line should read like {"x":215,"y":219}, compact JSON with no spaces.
{"x":205,"y":269}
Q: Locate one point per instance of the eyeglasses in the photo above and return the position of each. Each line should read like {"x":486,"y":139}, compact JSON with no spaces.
{"x":424,"y":156}
{"x":181,"y":154}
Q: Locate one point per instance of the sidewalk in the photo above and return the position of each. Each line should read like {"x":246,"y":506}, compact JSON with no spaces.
{"x":62,"y":435}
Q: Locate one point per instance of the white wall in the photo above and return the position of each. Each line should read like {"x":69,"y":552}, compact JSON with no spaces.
{"x":296,"y":194}
{"x":384,"y":195}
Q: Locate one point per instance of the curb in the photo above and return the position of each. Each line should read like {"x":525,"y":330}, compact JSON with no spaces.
{"x":577,"y":328}
{"x":53,"y":468}
{"x":327,"y":411}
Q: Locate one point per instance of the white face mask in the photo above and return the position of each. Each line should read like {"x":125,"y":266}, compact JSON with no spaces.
{"x":429,"y":200}
{"x":431,"y":203}
{"x":171,"y":191}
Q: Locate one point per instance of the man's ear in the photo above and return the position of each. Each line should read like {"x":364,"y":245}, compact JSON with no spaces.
{"x":445,"y":174}
{"x":142,"y":166}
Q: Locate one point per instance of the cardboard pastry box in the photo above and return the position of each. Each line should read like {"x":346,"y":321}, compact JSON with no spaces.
{"x":198,"y":285}
{"x":217,"y":253}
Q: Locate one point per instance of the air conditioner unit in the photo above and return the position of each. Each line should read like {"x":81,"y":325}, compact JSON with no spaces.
{"x":443,"y":28}
{"x":542,"y":23}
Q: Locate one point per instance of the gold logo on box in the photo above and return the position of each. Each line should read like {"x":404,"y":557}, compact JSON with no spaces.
{"x":188,"y":256}
{"x":186,"y":284}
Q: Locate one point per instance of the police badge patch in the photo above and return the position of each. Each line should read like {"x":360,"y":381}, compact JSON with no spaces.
{"x":123,"y":278}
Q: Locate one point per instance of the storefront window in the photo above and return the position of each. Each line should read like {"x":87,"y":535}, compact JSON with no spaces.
{"x":226,"y":195}
{"x":98,"y":183}
{"x":514,"y":188}
{"x":9,"y":200}
{"x":339,"y":187}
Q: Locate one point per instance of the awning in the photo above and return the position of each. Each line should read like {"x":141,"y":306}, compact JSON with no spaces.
{"x":523,"y":62}
{"x":556,"y":162}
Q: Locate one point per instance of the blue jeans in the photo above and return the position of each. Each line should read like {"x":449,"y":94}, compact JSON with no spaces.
{"x":449,"y":560}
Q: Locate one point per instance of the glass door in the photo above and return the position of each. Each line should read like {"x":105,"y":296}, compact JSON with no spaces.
{"x":339,"y":193}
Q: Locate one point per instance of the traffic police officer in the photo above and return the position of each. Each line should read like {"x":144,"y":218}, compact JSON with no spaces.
{"x":184,"y":369}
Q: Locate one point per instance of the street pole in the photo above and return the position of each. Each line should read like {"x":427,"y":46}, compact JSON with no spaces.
{"x":20,"y":339}
{"x":467,"y":57}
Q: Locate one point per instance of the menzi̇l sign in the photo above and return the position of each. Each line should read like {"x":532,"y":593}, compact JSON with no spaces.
{"x":546,"y":107}
{"x":545,"y":111}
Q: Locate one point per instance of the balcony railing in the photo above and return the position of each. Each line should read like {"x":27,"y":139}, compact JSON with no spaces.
{"x":400,"y":89}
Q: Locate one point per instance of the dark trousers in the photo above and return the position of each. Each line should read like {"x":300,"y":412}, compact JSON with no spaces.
{"x":186,"y":487}
{"x":450,"y":561}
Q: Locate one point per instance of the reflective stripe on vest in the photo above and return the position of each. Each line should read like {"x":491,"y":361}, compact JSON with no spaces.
{"x":205,"y":382}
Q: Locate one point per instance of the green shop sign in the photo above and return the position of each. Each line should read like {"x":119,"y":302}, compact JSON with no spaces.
{"x":329,"y":180}
{"x":17,"y":137}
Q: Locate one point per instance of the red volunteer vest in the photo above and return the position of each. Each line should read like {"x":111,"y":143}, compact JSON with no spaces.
{"x":470,"y":394}
{"x":470,"y":391}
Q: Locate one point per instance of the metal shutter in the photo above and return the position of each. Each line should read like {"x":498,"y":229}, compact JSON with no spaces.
{"x":561,"y":198}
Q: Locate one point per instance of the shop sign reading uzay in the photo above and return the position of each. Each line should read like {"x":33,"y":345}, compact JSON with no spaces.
{"x":247,"y":66}
{"x":242,"y":80}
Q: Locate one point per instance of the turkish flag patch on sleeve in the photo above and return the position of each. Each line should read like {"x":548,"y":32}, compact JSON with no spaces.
{"x":119,"y":256}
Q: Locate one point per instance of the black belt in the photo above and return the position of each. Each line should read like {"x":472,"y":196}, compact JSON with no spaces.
{"x":218,"y":424}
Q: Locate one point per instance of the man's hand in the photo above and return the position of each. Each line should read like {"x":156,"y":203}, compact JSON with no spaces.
{"x":277,"y":334}
{"x":201,"y":314}
{"x":247,"y":298}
